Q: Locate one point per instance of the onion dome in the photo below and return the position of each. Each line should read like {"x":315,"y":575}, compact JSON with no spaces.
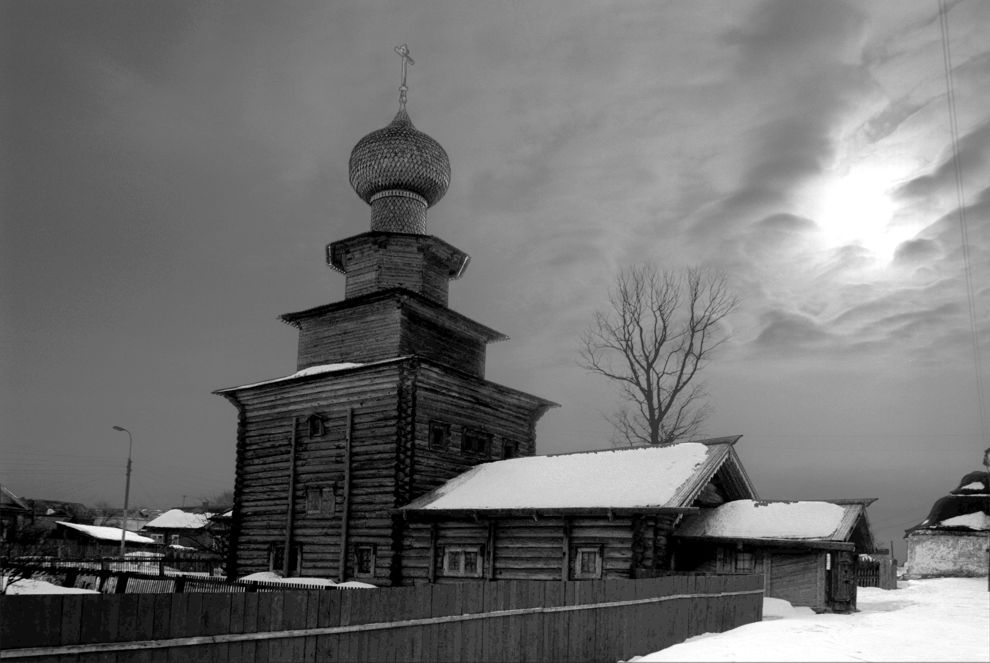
{"x":400,"y":172}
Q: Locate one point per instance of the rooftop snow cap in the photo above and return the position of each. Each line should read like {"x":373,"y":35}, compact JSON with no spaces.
{"x":400,"y":172}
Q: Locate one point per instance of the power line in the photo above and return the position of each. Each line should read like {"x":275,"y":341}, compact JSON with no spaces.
{"x":950,"y":96}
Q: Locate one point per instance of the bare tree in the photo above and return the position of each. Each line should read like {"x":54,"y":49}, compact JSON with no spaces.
{"x":658,"y":332}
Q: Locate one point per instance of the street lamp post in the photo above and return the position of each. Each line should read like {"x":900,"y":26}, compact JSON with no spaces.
{"x":127,"y":488}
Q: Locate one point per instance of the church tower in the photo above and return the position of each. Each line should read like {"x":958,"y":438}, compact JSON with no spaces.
{"x":389,"y":397}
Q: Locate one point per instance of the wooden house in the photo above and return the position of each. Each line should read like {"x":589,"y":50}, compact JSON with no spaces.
{"x":954,"y":539}
{"x":87,"y":541}
{"x":180,"y":528}
{"x":15,"y":515}
{"x":807,"y":551}
{"x":587,"y":515}
{"x":389,"y":397}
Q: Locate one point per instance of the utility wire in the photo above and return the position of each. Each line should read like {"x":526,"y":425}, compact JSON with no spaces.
{"x":950,"y":96}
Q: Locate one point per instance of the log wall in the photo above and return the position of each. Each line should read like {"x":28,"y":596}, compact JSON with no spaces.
{"x":531,"y":547}
{"x":263,"y":469}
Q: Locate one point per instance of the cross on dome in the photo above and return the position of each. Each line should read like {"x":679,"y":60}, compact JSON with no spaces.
{"x":403,"y":52}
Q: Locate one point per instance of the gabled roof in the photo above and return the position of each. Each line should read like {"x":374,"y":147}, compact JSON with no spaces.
{"x":179,"y":519}
{"x":105,"y":533}
{"x":666,"y":478}
{"x":823,"y":521}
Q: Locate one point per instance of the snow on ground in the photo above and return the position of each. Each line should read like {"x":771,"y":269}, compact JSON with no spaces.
{"x":939,"y":619}
{"x":269,"y":576}
{"x":36,"y":586}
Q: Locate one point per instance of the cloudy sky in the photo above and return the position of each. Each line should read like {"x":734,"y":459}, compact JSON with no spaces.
{"x":173,"y":170}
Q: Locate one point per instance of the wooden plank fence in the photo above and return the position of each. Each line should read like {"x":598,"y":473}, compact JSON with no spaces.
{"x":877,"y":572}
{"x":471,"y":621}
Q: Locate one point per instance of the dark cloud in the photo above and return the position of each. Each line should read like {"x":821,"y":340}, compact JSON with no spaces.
{"x":973,"y":158}
{"x":788,"y":332}
{"x":915,"y":251}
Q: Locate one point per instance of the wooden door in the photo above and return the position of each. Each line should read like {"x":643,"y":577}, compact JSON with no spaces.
{"x":843,"y":582}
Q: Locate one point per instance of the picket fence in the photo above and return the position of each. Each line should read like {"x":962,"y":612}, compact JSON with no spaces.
{"x":471,"y":621}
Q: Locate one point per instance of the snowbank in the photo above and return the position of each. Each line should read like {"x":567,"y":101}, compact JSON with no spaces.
{"x":270,"y":576}
{"x":941,"y":619}
{"x":35,"y":586}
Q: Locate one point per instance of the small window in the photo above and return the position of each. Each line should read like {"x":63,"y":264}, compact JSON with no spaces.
{"x":588,"y":562}
{"x":510,"y":449}
{"x":159,"y":538}
{"x":315,"y":425}
{"x":745,"y":562}
{"x":364,"y":561}
{"x":276,"y":558}
{"x":476,"y":441}
{"x":463,"y":561}
{"x":320,"y":500}
{"x":439,"y":434}
{"x":173,"y":539}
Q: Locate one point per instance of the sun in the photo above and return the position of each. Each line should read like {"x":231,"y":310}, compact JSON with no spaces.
{"x":856,"y":208}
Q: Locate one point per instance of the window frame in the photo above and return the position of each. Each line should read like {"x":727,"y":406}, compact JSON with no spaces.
{"x":443,"y":428}
{"x":277,"y":550}
{"x":325,"y":500}
{"x":472,"y":437}
{"x":315,"y":426}
{"x":372,"y":554}
{"x":579,"y":552}
{"x":508,"y":445}
{"x":449,"y":553}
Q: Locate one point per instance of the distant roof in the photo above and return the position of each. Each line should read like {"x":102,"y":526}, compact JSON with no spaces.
{"x":179,"y":519}
{"x":665,"y":477}
{"x":11,"y":501}
{"x":106,"y":533}
{"x":749,"y":519}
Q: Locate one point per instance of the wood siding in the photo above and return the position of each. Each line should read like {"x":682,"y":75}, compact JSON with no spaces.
{"x":467,"y":403}
{"x":263,"y":469}
{"x":533,"y":547}
{"x":362,"y":334}
{"x":390,"y":261}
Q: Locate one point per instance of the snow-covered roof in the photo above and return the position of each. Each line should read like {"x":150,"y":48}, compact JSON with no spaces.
{"x":106,"y":533}
{"x":179,"y":519}
{"x":977,"y":520}
{"x":312,"y":370}
{"x":646,"y":477}
{"x":749,"y":519}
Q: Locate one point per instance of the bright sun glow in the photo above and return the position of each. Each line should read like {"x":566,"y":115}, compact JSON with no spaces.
{"x":856,"y":208}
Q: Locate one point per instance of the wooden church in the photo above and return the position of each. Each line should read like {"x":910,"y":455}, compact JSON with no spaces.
{"x":389,"y":398}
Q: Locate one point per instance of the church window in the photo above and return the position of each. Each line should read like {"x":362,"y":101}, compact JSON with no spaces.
{"x":463,"y":561}
{"x":439,"y":434}
{"x":276,"y":558}
{"x":588,"y":562}
{"x":320,"y":500}
{"x":476,"y":441}
{"x":315,"y":425}
{"x":364,"y":561}
{"x":510,"y":449}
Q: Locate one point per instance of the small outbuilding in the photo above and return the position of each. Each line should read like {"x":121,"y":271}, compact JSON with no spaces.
{"x":181,"y":529}
{"x":954,"y":540}
{"x":807,"y":551}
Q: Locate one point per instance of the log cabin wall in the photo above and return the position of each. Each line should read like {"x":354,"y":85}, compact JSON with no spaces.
{"x":364,"y":333}
{"x":264,"y":454}
{"x":528,"y":547}
{"x":466,"y":406}
{"x":380,"y":261}
{"x":432,"y":335}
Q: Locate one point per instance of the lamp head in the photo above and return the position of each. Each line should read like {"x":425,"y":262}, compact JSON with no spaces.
{"x":123,"y":430}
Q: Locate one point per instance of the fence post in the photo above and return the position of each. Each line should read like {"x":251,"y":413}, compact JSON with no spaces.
{"x":121,"y":583}
{"x":180,"y":583}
